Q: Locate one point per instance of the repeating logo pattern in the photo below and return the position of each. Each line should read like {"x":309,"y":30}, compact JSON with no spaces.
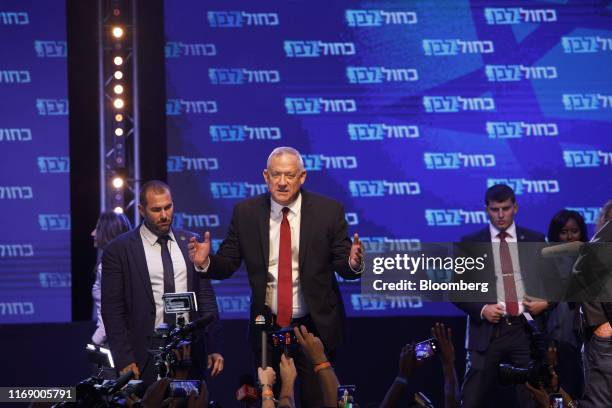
{"x":402,"y":114}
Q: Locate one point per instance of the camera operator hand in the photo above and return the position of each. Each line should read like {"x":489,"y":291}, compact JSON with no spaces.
{"x":492,"y":313}
{"x":134,"y":368}
{"x":311,"y":345}
{"x":183,"y":354}
{"x":534,"y":306}
{"x":216,"y":363}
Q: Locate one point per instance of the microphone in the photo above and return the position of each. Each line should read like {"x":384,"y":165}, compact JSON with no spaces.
{"x":260,"y":324}
{"x":118,"y":384}
{"x":246,"y":392}
{"x":195,"y":325}
{"x":561,"y":250}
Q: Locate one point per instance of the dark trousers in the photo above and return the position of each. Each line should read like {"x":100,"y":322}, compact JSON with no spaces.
{"x":481,"y":388}
{"x":597,"y":360}
{"x":309,"y":389}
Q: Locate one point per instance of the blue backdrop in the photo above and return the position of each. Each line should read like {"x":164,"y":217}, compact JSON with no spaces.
{"x":34,"y":170}
{"x":405,"y":111}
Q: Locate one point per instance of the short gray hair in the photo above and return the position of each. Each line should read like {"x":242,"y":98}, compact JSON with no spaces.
{"x":279,"y":151}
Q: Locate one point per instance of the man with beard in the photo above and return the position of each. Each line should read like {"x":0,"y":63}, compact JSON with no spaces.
{"x":137,"y":269}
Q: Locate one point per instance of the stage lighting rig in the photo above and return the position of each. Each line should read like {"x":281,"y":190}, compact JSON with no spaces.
{"x":119,"y":136}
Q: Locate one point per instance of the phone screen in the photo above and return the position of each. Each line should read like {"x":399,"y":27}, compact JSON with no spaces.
{"x":426,"y":349}
{"x":283,"y":338}
{"x":346,"y":395}
{"x":183,"y":388}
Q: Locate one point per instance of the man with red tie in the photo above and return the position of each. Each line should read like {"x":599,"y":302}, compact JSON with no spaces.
{"x":292,"y":241}
{"x":497,"y":331}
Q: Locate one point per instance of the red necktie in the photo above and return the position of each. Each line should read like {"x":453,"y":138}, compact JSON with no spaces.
{"x":507,"y":275}
{"x":285,"y":279}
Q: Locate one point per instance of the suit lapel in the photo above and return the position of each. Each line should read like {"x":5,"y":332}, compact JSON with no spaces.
{"x":181,"y":240}
{"x":263,"y":221}
{"x":306,"y":218}
{"x":141,"y":263}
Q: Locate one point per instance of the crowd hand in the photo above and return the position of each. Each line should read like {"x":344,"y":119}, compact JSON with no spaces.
{"x":551,"y":355}
{"x":288,"y":371}
{"x":154,"y":396}
{"x":311,"y":345}
{"x":534,"y":306}
{"x":357,"y":253}
{"x":267,"y":376}
{"x":493,"y":312}
{"x":195,"y":401}
{"x":199,"y":251}
{"x":134,"y":368}
{"x":215,"y":364}
{"x":445,"y":342}
{"x":407,"y":361}
{"x":539,"y":395}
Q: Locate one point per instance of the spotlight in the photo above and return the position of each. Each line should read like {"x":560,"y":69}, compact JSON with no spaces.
{"x":118,"y":103}
{"x":118,"y":210}
{"x":118,"y":117}
{"x":117,"y":182}
{"x":118,"y":132}
{"x":118,"y":74}
{"x":118,"y":89}
{"x":118,"y":60}
{"x":117,"y":32}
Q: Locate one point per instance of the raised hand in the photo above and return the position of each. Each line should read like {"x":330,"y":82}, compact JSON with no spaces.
{"x":357,"y":253}
{"x":199,"y":251}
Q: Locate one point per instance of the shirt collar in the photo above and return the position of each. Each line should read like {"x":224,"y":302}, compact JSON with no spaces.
{"x":150,"y":237}
{"x":294,"y":207}
{"x":511,"y":231}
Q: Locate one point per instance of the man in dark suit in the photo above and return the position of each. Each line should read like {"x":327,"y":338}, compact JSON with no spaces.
{"x":497,"y":329}
{"x":137,"y":269}
{"x":292,"y":241}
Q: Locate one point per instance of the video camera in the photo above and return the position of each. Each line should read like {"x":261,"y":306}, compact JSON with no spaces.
{"x":538,"y":369}
{"x":171,"y":339}
{"x":96,"y":392}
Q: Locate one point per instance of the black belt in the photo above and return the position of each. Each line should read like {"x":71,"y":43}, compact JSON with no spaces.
{"x":513,"y":320}
{"x":297,"y":321}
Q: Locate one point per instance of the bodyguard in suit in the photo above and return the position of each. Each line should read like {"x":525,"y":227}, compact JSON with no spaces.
{"x":137,"y":269}
{"x":496,"y":329}
{"x":292,"y":241}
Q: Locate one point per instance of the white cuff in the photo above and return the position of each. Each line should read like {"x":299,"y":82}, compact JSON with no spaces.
{"x":361,"y":267}
{"x":203,"y":269}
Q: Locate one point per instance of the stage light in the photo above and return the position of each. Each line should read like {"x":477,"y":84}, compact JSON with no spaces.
{"x":117,"y":32}
{"x":118,"y":117}
{"x":117,"y":182}
{"x":118,"y":74}
{"x":118,"y":89}
{"x":118,"y":132}
{"x":118,"y":60}
{"x":118,"y":103}
{"x":118,"y":210}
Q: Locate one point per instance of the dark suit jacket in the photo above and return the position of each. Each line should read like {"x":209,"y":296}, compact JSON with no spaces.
{"x":324,"y":248}
{"x":128,"y":308}
{"x":480,"y":331}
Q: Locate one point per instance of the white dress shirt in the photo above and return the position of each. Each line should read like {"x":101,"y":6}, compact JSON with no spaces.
{"x":152,"y":250}
{"x":294,"y":217}
{"x":512,"y":240}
